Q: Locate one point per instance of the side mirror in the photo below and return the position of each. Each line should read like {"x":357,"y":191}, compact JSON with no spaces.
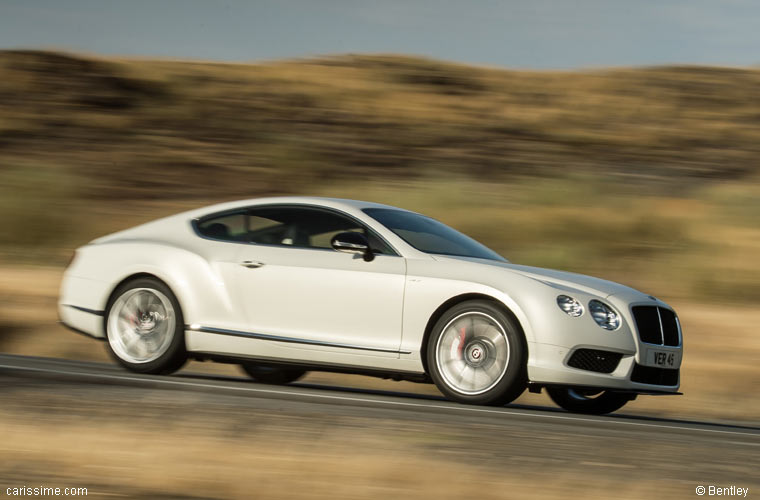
{"x":352,"y":242}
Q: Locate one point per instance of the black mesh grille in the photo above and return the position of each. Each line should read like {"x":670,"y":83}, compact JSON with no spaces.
{"x":669,"y":327}
{"x":594,"y":360}
{"x":654,"y":376}
{"x":648,"y":324}
{"x":653,"y":328}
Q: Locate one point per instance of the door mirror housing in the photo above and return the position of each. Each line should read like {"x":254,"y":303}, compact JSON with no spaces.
{"x":353,"y":242}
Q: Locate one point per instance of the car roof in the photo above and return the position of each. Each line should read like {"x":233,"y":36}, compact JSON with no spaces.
{"x":167,"y":225}
{"x":338,"y":203}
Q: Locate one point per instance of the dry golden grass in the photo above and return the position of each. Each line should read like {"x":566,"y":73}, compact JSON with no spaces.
{"x":157,"y":443}
{"x":128,"y":459}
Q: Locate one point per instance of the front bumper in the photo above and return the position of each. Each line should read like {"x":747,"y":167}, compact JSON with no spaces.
{"x":646,"y":363}
{"x":551,"y":367}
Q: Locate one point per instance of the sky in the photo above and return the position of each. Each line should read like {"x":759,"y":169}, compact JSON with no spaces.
{"x":542,"y":34}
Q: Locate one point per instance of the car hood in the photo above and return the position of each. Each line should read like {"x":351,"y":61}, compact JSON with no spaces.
{"x":557,"y":279}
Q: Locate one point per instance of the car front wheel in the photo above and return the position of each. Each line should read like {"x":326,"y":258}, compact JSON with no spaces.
{"x":588,"y":401}
{"x":145,"y":328}
{"x":477,"y":354}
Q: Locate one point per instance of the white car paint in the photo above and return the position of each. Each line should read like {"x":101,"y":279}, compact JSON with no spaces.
{"x":334,"y":308}
{"x":323,"y":295}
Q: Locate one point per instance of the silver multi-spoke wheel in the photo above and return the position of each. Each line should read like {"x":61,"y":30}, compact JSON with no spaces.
{"x":477,"y":354}
{"x":141,"y":325}
{"x":472,"y":353}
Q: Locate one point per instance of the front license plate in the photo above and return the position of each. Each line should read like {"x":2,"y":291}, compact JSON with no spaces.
{"x":664,"y":359}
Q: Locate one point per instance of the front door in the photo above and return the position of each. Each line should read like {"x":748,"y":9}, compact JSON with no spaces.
{"x":296,"y":289}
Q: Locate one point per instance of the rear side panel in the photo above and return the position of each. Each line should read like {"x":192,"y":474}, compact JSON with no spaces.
{"x":199,"y":284}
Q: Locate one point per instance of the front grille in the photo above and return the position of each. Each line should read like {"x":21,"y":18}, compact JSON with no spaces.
{"x":654,"y":376}
{"x":594,"y":360}
{"x":669,"y":327}
{"x":656,"y":325}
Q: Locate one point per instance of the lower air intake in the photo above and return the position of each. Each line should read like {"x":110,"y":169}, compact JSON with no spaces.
{"x":654,"y":376}
{"x":594,"y":360}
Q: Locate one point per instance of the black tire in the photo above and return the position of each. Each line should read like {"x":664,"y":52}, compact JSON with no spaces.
{"x":479,"y":352}
{"x":272,"y":375}
{"x":173,"y":354}
{"x":588,"y":401}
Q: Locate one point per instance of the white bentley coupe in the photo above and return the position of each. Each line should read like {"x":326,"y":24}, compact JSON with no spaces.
{"x":287,"y":285}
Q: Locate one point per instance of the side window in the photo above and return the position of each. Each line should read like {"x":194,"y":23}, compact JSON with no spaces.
{"x":303,"y":227}
{"x":269,"y":227}
{"x":322,"y":226}
{"x":229,"y":227}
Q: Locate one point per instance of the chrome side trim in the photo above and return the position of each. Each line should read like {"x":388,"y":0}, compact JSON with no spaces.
{"x":290,"y":340}
{"x":307,"y":365}
{"x":84,"y":309}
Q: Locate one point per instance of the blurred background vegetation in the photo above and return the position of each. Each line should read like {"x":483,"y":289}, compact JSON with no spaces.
{"x":647,"y":176}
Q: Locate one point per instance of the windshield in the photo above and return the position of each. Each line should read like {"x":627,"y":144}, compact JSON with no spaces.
{"x":430,"y":236}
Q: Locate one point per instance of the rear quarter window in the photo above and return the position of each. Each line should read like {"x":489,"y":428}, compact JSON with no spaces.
{"x":229,"y":227}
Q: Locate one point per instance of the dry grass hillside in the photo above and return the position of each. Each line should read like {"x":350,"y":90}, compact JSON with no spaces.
{"x":160,"y":129}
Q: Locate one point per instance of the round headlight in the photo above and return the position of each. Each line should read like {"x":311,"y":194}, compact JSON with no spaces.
{"x":603,"y":315}
{"x":570,"y":305}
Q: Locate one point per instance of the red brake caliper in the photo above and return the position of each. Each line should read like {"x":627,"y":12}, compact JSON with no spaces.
{"x":133,"y":319}
{"x":462,"y":333}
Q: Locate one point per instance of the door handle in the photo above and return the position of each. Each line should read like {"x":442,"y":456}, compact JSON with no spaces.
{"x":251,"y":264}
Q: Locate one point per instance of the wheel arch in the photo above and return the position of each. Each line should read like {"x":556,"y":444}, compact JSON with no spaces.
{"x":133,"y":277}
{"x":453,"y":301}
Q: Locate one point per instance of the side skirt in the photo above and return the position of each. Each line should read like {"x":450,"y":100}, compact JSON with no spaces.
{"x":316,"y":367}
{"x":287,"y":340}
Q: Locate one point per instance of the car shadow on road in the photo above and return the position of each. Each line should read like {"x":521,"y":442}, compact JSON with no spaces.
{"x":441,"y":399}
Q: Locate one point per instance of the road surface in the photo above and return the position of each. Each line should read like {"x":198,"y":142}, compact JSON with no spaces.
{"x":688,"y":453}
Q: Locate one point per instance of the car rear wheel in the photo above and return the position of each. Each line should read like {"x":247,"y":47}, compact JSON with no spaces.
{"x":145,"y":327}
{"x":272,"y":375}
{"x":588,"y":401}
{"x":477,"y":354}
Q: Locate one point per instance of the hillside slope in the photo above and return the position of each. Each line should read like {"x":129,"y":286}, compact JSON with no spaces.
{"x":140,"y":128}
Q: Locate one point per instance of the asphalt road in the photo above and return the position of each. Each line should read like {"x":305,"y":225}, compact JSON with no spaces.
{"x":688,"y":452}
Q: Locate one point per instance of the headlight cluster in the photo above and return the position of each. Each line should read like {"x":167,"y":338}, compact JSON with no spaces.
{"x":570,"y":305}
{"x":603,"y":314}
